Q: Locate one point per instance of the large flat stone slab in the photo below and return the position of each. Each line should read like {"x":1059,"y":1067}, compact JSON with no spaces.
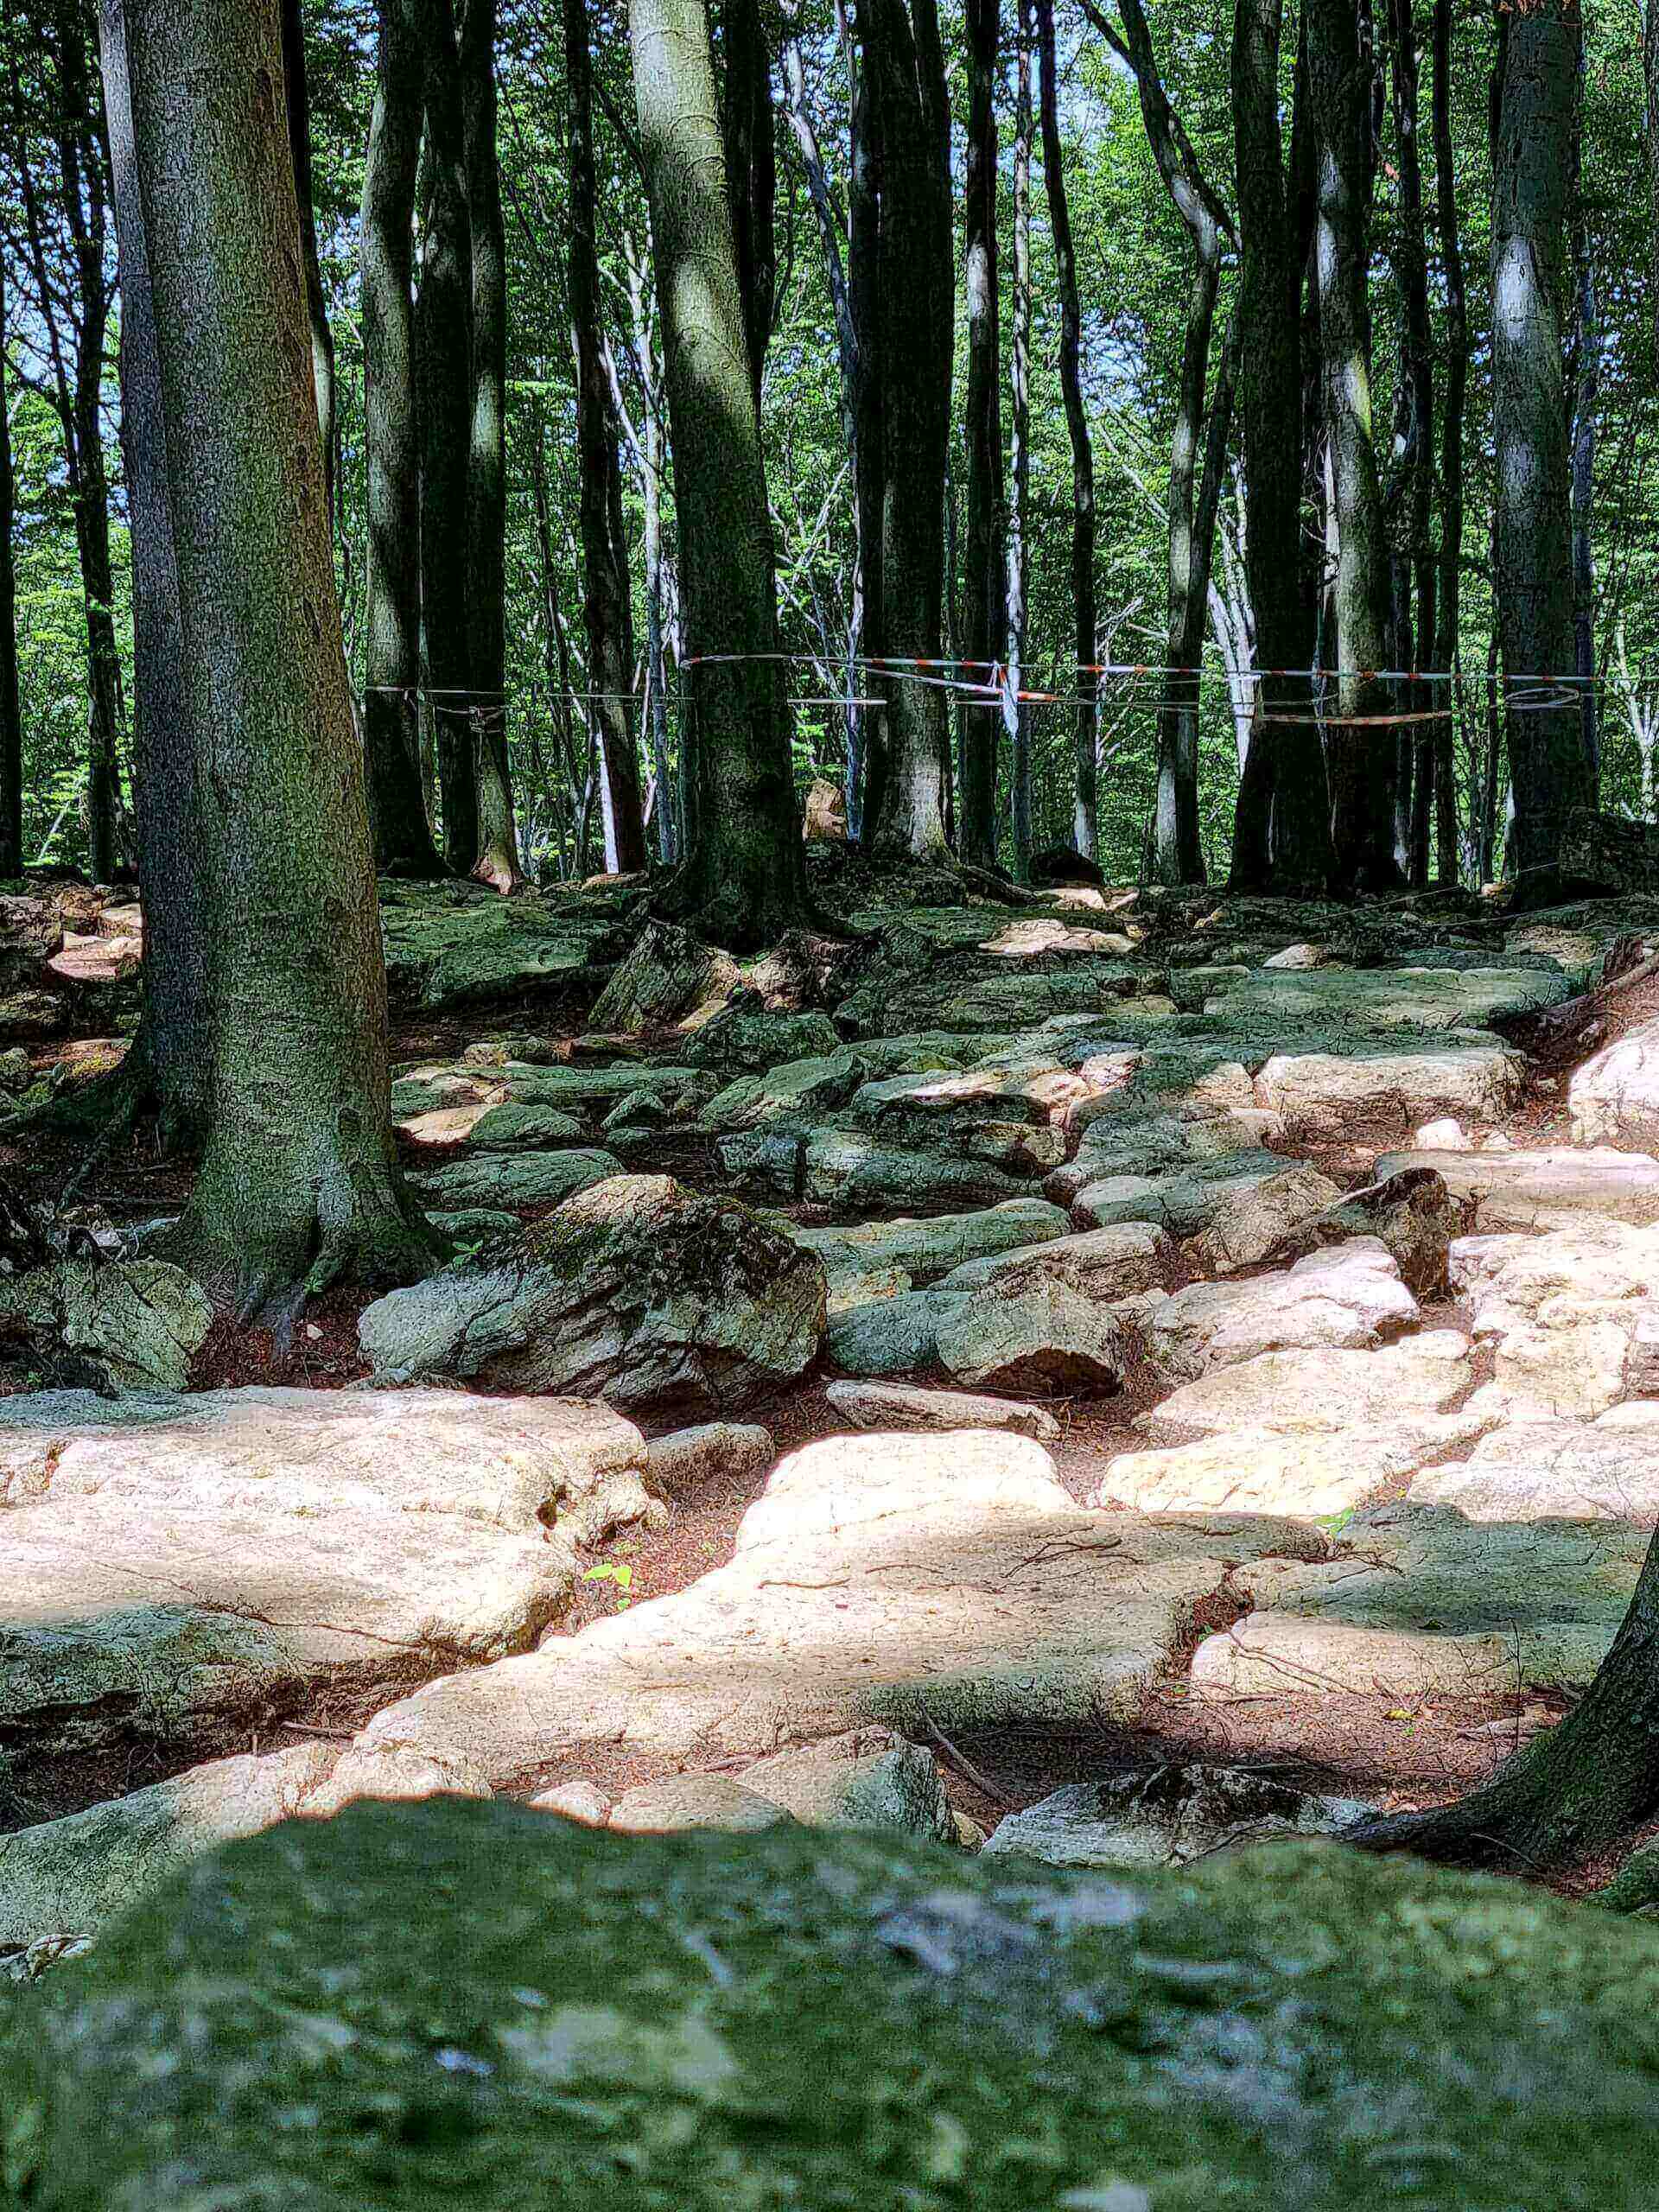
{"x":1299,"y":1391}
{"x":878,"y":1578}
{"x":520,"y":1463}
{"x":516,"y":1178}
{"x":1316,"y":1090}
{"x":1605,"y":1470}
{"x":119,"y":1616}
{"x":1614,"y":1097}
{"x":1345,"y":1297}
{"x":1263,"y":1471}
{"x":1388,"y":998}
{"x":925,"y":1250}
{"x":1540,"y":1190}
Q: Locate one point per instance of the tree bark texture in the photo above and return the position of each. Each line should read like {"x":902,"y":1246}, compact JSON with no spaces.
{"x":986,"y":583}
{"x":1532,"y":162}
{"x":1024,"y":125}
{"x":743,"y":879}
{"x":1449,"y":593}
{"x":751,"y":174}
{"x":403,"y":837}
{"x":299,"y":1183}
{"x":299,"y":138}
{"x":605,"y":600}
{"x":11,"y":716}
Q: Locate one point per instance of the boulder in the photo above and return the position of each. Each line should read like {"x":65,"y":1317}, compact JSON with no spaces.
{"x":1116,"y":1262}
{"x":31,"y":932}
{"x":1605,"y":1470}
{"x":120,"y":1324}
{"x":1049,"y":1338}
{"x":890,"y":1406}
{"x":1389,"y":998}
{"x":1175,"y":1815}
{"x":889,"y":1336}
{"x":575,"y":1801}
{"x":1345,"y":1299}
{"x":1293,"y":1392}
{"x":1614,"y":1097}
{"x":1540,"y":1190}
{"x":795,"y":1090}
{"x":667,"y":976}
{"x":450,"y":945}
{"x":486,"y":1126}
{"x":1413,"y":1214}
{"x":825,"y":819}
{"x":524,"y":1464}
{"x":76,"y":1873}
{"x":1239,"y":1208}
{"x":1320,"y":1090}
{"x":925,"y":1250}
{"x":802,"y":2018}
{"x":695,"y":1801}
{"x":681,"y":1465}
{"x":638,"y":1291}
{"x":1323,"y":1475}
{"x":516,"y":1178}
{"x":869,"y":1778}
{"x":742,"y":1038}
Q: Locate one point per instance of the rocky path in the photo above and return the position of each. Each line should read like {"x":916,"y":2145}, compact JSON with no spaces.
{"x":1369,"y":1303}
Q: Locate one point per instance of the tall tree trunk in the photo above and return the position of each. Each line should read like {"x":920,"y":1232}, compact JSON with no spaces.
{"x":605,"y":602}
{"x":299,"y":139}
{"x":299,"y":1183}
{"x":743,"y":881}
{"x":11,"y":716}
{"x":834,"y":244}
{"x":443,"y":356}
{"x":1449,"y":596}
{"x":1363,"y":758}
{"x":656,"y":573}
{"x":985,"y":627}
{"x":1412,"y":492}
{"x":1020,"y":776}
{"x":1085,"y":834}
{"x":1282,"y":833}
{"x":1585,"y":354}
{"x":172,"y":1056}
{"x":1537,"y":72}
{"x":403,"y":836}
{"x":908,"y":135}
{"x":497,"y":863}
{"x":751,"y":174}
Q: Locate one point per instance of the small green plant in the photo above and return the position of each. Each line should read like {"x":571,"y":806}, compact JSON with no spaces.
{"x":617,"y":1571}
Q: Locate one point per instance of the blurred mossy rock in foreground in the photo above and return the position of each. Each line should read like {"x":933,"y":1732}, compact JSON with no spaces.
{"x":422,"y":2004}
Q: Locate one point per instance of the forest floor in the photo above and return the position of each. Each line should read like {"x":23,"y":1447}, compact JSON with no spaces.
{"x":1259,"y":1042}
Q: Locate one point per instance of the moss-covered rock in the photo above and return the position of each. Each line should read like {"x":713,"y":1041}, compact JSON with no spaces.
{"x":423,"y":2005}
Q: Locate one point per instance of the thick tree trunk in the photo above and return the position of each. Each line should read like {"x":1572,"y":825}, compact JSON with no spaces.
{"x":909,"y":130}
{"x":1361,"y":743}
{"x":1282,"y":833}
{"x":1019,"y":776}
{"x":172,"y":1057}
{"x":650,"y":452}
{"x":443,"y":354}
{"x":1585,"y":354}
{"x":1532,"y":166}
{"x":869,"y":445}
{"x":605,"y":602}
{"x":1411,"y":495}
{"x":497,"y":863}
{"x":985,"y":589}
{"x":11,"y":717}
{"x":1085,"y":834}
{"x":743,"y":881}
{"x":751,"y":174}
{"x":403,"y":837}
{"x":1449,"y":596}
{"x":299,"y":1183}
{"x":299,"y":139}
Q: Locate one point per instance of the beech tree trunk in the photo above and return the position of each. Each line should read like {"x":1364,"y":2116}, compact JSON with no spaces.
{"x":1363,"y":760}
{"x":1449,"y":593}
{"x":11,"y":717}
{"x":1537,"y":75}
{"x":1019,"y":776}
{"x":170,"y":1064}
{"x":605,"y":602}
{"x":910,"y":290}
{"x":299,"y":139}
{"x":1282,"y":833}
{"x":403,"y":836}
{"x":1410,"y":496}
{"x":444,"y":352}
{"x":497,"y":863}
{"x":743,"y":881}
{"x":751,"y":174}
{"x":985,"y":583}
{"x":299,"y":1183}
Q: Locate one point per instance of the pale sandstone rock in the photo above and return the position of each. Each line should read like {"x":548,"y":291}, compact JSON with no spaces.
{"x":1345,"y":1297}
{"x":1614,"y":1097}
{"x":684,"y":1463}
{"x":1167,"y":1818}
{"x":1543,"y":1190}
{"x":1319,"y":1091}
{"x":1105,"y":1264}
{"x":1259,"y":1471}
{"x":1293,"y":1392}
{"x":695,"y":1801}
{"x":575,"y":1801}
{"x":868,"y":1778}
{"x":1605,"y":1470}
{"x":1048,"y":1337}
{"x":889,"y":1405}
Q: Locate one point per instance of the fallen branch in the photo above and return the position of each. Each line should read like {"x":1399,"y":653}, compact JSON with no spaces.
{"x":965,"y":1767}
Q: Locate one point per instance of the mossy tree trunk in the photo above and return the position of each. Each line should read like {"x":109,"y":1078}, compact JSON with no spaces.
{"x":908,"y":290}
{"x":299,"y":139}
{"x":299,"y":1183}
{"x":1361,"y":743}
{"x":610,"y":672}
{"x":1449,"y":590}
{"x":742,"y":883}
{"x":985,"y":596}
{"x":403,"y":837}
{"x":1282,"y":831}
{"x":1020,"y":430}
{"x":170,"y":1064}
{"x":1536,"y":97}
{"x":750,"y":142}
{"x":444,"y":352}
{"x":497,"y":863}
